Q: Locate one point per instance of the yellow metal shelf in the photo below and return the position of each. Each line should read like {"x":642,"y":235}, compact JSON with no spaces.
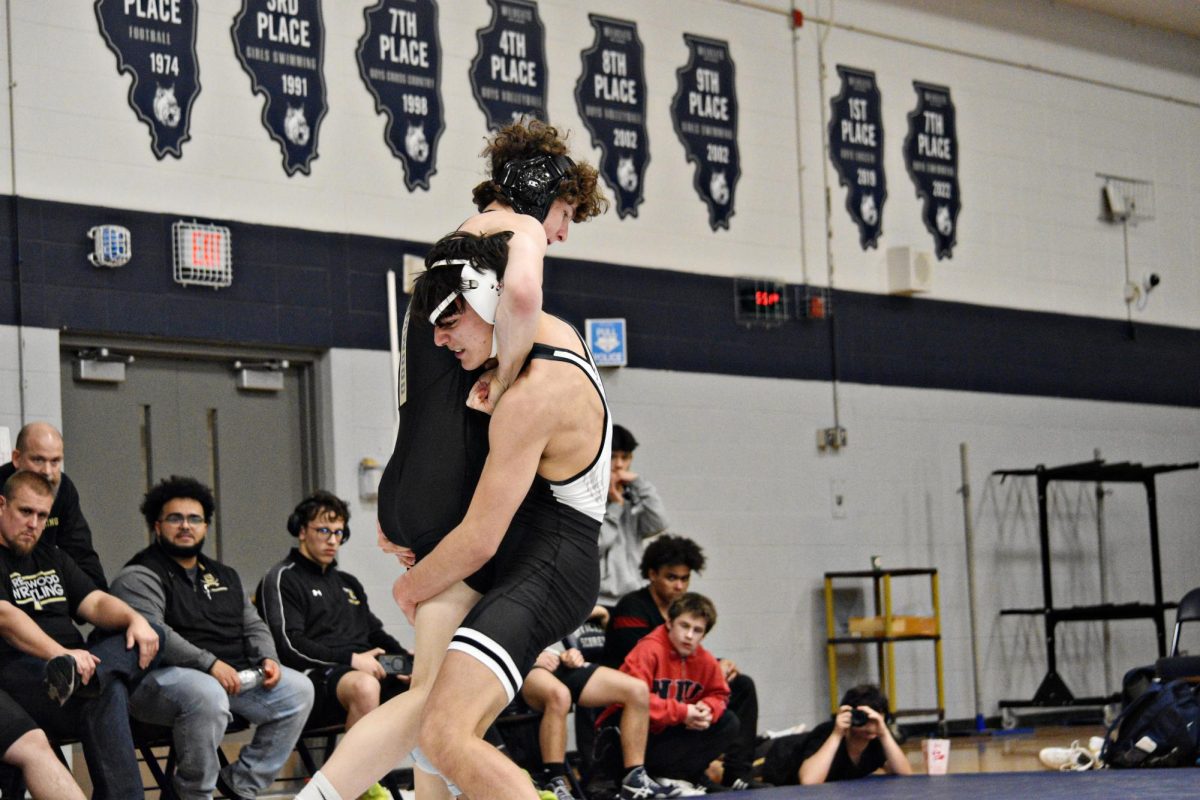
{"x":881,"y":581}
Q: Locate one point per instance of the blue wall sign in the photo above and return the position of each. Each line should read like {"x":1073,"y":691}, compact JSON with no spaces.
{"x":281,"y":44}
{"x":606,"y":339}
{"x":705,"y":113}
{"x":611,"y":96}
{"x":931,"y":156}
{"x":400,"y":60}
{"x":856,"y":150}
{"x":508,"y":73}
{"x":156,"y":44}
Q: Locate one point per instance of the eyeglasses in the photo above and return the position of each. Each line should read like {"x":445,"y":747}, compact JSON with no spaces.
{"x":330,"y":533}
{"x":195,"y":520}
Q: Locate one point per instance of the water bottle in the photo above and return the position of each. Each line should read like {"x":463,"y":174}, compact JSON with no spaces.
{"x":251,"y":678}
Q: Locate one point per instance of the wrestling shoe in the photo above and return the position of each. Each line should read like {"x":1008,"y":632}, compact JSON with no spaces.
{"x":1068,"y":759}
{"x":638,"y":785}
{"x":63,"y":681}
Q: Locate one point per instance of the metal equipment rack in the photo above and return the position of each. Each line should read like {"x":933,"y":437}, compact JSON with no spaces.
{"x":1053,"y":691}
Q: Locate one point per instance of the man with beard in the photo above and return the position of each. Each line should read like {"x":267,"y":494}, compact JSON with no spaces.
{"x":39,"y":449}
{"x":67,"y":687}
{"x":218,"y":655}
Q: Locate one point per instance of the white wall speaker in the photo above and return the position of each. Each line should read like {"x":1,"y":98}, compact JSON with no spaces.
{"x":910,"y":271}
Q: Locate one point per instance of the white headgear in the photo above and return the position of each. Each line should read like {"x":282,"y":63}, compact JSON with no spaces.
{"x":480,"y":288}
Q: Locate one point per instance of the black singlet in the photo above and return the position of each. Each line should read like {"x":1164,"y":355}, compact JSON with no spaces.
{"x":440,"y":448}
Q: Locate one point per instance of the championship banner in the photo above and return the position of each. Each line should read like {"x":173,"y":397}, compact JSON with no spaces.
{"x":856,"y":150}
{"x":508,"y":73}
{"x":156,"y":44}
{"x":281,"y":44}
{"x":931,"y":156}
{"x":611,"y":96}
{"x":400,"y":60}
{"x":705,"y":113}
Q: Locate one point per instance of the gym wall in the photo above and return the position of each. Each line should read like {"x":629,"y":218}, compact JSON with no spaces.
{"x":1021,"y":348}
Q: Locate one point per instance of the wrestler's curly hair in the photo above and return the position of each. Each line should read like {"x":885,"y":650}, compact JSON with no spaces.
{"x":484,"y":251}
{"x":527,"y":139}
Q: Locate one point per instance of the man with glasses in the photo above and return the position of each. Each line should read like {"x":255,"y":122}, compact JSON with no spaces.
{"x":218,"y":656}
{"x":321,"y":622}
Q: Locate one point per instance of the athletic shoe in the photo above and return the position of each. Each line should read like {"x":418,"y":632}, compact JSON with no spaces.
{"x":638,"y":785}
{"x":559,"y":789}
{"x":227,"y":790}
{"x":1068,"y":759}
{"x":376,"y":792}
{"x":710,"y":786}
{"x":61,"y":679}
{"x":742,"y":784}
{"x":686,"y":788}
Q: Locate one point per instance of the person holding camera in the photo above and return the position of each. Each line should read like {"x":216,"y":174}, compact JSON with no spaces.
{"x":321,"y":622}
{"x":218,"y":658}
{"x":854,"y":744}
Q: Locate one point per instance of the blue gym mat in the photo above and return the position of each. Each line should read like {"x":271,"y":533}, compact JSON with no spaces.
{"x":1145,"y":784}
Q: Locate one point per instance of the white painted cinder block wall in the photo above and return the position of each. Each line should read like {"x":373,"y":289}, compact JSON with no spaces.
{"x":734,"y":456}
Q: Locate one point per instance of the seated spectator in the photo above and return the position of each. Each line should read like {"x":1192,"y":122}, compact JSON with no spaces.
{"x":560,"y":679}
{"x":634,"y":513}
{"x":69,"y":689}
{"x":39,"y":448}
{"x":690,"y":724}
{"x":852,"y":745}
{"x":668,"y":564}
{"x":320,"y":620}
{"x":218,"y":657}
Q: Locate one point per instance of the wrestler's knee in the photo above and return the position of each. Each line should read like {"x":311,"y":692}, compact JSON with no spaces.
{"x":438,"y":738}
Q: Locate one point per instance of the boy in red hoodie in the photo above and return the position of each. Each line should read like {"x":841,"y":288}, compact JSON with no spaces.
{"x":689,"y":722}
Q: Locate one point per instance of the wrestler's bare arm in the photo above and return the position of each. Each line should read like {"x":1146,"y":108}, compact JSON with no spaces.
{"x":520,"y":303}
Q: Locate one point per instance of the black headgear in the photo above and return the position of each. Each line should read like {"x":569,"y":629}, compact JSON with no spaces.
{"x":303,"y":513}
{"x":531,"y":184}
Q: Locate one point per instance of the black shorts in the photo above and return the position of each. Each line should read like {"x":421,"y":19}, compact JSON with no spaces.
{"x":546,"y":582}
{"x":327,"y":709}
{"x":576,"y":678}
{"x":15,"y":722}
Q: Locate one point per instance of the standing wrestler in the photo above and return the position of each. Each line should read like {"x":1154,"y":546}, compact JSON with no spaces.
{"x":537,"y":510}
{"x":534,"y":520}
{"x":535,"y":192}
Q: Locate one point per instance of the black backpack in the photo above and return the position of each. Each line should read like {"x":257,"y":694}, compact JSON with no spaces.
{"x":1160,"y":728}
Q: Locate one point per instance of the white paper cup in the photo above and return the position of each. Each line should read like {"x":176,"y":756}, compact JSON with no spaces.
{"x":937,"y":755}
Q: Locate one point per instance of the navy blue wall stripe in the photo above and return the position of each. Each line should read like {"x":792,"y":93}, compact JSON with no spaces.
{"x":318,"y":290}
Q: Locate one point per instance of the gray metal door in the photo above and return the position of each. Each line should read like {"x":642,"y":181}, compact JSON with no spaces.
{"x":187,"y":417}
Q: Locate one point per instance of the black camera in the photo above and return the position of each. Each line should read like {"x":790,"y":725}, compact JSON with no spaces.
{"x":858,"y":718}
{"x":396,"y":663}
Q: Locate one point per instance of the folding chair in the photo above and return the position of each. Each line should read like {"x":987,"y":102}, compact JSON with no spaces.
{"x":1185,"y":666}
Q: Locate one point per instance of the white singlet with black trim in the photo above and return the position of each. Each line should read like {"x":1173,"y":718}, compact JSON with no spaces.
{"x":586,"y":492}
{"x":547,"y":568}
